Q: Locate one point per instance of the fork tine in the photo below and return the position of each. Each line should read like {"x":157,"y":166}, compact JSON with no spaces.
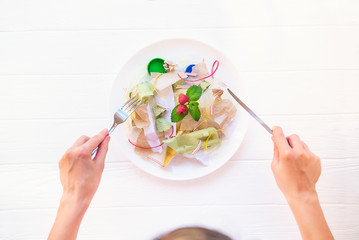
{"x":134,"y":107}
{"x":133,"y":103}
{"x":127,"y":102}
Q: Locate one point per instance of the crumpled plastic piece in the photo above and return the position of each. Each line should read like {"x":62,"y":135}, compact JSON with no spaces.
{"x":157,"y":111}
{"x":169,"y":102}
{"x":166,"y":79}
{"x":140,"y":116}
{"x":204,"y":85}
{"x":201,"y":70}
{"x":206,"y":123}
{"x":202,"y":156}
{"x":142,"y":141}
{"x":187,"y":142}
{"x":217,"y":92}
{"x":169,"y":66}
{"x":162,"y":125}
{"x":144,"y":90}
{"x":170,"y":153}
{"x":223,"y":109}
{"x":150,"y":132}
{"x":189,"y":124}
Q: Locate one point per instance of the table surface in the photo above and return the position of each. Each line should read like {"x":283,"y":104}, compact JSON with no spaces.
{"x":299,"y":61}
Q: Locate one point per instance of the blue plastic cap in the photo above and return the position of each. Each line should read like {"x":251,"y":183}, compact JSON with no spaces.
{"x":189,"y":68}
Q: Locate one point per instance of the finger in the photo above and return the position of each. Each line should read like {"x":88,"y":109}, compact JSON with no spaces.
{"x":275,"y":154}
{"x":102,"y":151}
{"x":305,"y":146}
{"x":295,"y":142}
{"x":81,"y":140}
{"x":280,"y":140}
{"x":93,"y":142}
{"x":275,"y":151}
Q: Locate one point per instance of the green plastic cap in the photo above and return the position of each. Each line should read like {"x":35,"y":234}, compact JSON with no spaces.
{"x":156,"y":65}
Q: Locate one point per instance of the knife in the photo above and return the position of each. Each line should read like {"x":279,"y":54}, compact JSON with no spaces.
{"x":250,"y":112}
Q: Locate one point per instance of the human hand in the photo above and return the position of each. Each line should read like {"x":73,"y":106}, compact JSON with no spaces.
{"x":296,"y":169}
{"x":80,"y":175}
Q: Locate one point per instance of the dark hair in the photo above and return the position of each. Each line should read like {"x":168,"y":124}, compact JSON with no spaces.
{"x":193,"y":233}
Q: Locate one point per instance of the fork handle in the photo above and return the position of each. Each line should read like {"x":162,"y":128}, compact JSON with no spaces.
{"x":109,"y":132}
{"x":112,"y":128}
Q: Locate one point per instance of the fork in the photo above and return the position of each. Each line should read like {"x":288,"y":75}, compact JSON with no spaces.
{"x":123,"y":113}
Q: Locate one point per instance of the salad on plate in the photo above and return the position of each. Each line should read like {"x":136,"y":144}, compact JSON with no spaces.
{"x":183,"y":115}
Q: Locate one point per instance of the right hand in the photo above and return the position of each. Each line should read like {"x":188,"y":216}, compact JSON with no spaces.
{"x":296,"y":169}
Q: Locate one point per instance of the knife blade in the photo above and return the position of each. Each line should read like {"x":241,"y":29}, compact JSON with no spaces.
{"x":250,"y":112}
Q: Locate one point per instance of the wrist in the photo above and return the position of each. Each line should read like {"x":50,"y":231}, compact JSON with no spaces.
{"x":302,"y":197}
{"x":74,"y":203}
{"x":309,"y":216}
{"x":303,"y":200}
{"x":69,"y":216}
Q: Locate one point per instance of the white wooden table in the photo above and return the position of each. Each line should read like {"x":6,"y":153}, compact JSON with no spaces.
{"x":299,"y":61}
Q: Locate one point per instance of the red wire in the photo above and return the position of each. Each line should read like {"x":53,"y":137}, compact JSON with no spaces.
{"x":213,"y":67}
{"x":211,"y":75}
{"x":144,"y":147}
{"x":150,"y":147}
{"x":172,"y":132}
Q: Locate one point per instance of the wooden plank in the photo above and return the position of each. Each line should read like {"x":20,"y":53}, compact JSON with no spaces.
{"x":302,"y":92}
{"x":41,"y":140}
{"x":237,"y":183}
{"x":104,"y":52}
{"x":112,"y":14}
{"x":329,"y":136}
{"x":87,"y":96}
{"x":240,"y":222}
{"x":58,"y":97}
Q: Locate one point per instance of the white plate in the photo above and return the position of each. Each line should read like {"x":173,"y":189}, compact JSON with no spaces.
{"x":182,"y":52}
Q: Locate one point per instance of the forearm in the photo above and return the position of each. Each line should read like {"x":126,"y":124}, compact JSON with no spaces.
{"x":309,"y":216}
{"x":68,"y":218}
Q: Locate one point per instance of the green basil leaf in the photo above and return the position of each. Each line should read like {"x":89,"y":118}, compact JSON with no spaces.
{"x":194,"y":111}
{"x":194,"y":92}
{"x":194,"y":103}
{"x":177,"y":117}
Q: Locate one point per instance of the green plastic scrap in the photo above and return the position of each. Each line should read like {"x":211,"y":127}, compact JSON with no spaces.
{"x":188,"y":142}
{"x":204,"y":85}
{"x":157,"y":111}
{"x":179,"y":82}
{"x":162,"y":124}
{"x":144,"y":90}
